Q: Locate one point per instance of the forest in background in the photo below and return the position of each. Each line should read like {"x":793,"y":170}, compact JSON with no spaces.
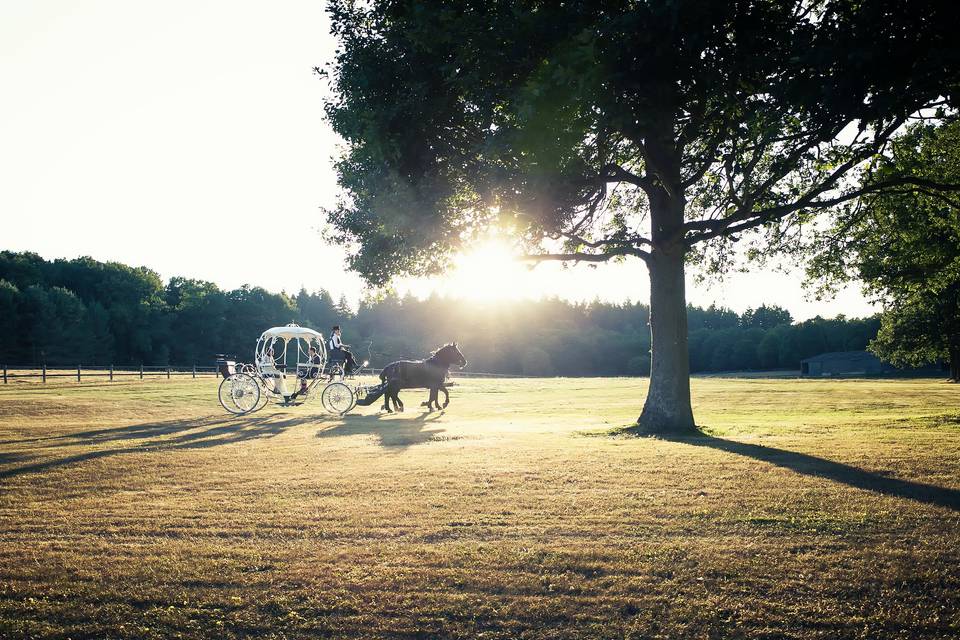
{"x":68,"y":312}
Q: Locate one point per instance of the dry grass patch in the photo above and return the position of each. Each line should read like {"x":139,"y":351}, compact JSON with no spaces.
{"x":808,"y":509}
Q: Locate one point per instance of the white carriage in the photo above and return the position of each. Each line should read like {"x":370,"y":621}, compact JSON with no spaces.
{"x":290,"y":366}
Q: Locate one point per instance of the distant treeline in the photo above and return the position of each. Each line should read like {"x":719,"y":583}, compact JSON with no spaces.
{"x":67,"y":312}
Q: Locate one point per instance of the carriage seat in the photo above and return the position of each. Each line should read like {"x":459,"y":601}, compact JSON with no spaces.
{"x":269,"y":369}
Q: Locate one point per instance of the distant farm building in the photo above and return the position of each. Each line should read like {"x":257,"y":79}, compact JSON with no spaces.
{"x":855,"y":363}
{"x":844,"y":363}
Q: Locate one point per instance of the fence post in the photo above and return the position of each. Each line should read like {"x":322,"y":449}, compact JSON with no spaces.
{"x":168,"y":373}
{"x":111,"y":373}
{"x":194,"y":371}
{"x":141,"y":371}
{"x":44,"y":373}
{"x":78,"y":373}
{"x":4,"y":374}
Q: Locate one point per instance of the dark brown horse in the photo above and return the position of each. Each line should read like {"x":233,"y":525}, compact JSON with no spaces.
{"x":421,"y":374}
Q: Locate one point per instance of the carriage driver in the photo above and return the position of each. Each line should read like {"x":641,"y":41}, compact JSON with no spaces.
{"x":339,"y":351}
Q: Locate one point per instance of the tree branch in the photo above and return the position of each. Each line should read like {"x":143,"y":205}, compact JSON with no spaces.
{"x":613,"y":172}
{"x":745,"y":217}
{"x":758,"y":218}
{"x":579,"y":256}
{"x":606,"y":242}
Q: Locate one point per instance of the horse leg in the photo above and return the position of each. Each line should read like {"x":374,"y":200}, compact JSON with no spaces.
{"x":446,"y":398}
{"x":397,"y":401}
{"x":431,"y":398}
{"x":386,"y":399}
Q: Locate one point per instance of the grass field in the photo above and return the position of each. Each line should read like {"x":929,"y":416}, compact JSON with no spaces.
{"x":810,"y":509}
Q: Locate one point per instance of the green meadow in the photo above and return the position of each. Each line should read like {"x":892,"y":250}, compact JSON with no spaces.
{"x":807,"y":509}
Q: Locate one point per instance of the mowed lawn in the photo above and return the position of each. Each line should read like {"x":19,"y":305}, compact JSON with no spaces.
{"x":812,"y":509}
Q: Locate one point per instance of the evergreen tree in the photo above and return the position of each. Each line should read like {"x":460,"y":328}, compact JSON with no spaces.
{"x":11,"y":338}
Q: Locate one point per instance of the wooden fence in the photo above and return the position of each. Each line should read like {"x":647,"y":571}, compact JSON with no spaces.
{"x":110,"y":372}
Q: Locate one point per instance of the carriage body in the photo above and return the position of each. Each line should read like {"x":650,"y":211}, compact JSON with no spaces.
{"x":282,"y":359}
{"x":283,"y":372}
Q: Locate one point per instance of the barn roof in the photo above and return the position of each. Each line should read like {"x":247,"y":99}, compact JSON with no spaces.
{"x":843,"y":355}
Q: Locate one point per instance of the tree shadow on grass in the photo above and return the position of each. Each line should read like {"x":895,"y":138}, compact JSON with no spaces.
{"x":9,"y":458}
{"x":163,"y":436}
{"x":128,"y":432}
{"x":397,"y":433}
{"x":836,"y":471}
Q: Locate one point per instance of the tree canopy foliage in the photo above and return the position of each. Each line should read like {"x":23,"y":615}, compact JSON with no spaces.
{"x":570,"y":120}
{"x":905,"y":248}
{"x":185,"y":322}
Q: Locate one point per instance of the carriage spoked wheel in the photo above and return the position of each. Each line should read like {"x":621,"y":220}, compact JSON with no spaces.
{"x":239,"y":393}
{"x":250,"y":370}
{"x":337,"y":398}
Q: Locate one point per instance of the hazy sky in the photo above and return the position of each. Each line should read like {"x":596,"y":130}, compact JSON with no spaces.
{"x":188,"y":136}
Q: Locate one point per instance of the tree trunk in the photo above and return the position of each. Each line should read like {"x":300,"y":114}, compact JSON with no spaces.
{"x":955,"y":364}
{"x":667,"y":408}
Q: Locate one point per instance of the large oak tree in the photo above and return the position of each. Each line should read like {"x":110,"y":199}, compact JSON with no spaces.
{"x":605,"y":130}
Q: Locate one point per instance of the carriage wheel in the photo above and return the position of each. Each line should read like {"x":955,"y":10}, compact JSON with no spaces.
{"x":337,"y":398}
{"x":264,"y":398}
{"x":239,"y":393}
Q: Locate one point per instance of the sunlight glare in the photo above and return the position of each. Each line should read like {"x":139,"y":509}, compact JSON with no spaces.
{"x":491,"y":271}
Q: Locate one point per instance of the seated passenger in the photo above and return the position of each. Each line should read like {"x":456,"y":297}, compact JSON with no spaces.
{"x":310,"y":372}
{"x":268,"y":369}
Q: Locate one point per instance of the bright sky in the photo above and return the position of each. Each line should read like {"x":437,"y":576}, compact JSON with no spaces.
{"x":188,"y":136}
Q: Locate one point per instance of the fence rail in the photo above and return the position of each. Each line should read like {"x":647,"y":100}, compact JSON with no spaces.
{"x":110,"y":372}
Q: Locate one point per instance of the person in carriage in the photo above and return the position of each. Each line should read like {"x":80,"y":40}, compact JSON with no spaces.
{"x":268,"y":367}
{"x":339,"y":352}
{"x":310,"y":372}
